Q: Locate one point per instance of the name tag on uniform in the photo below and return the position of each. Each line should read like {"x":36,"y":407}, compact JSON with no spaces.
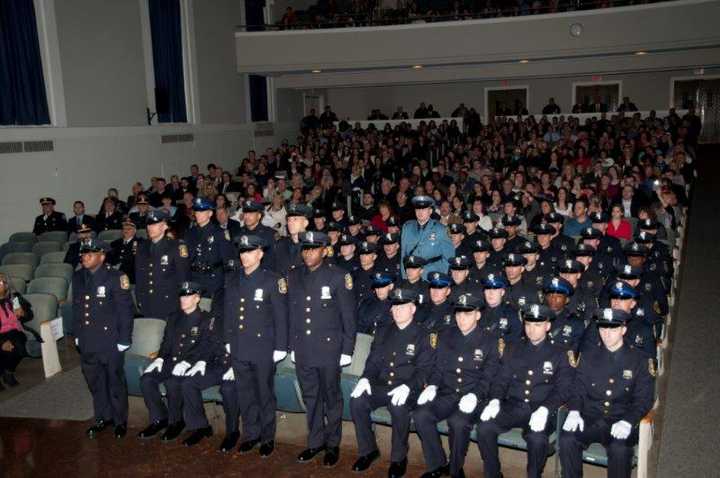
{"x":627,"y":374}
{"x":101,"y":291}
{"x":164,"y":261}
{"x":478,"y":356}
{"x":258,"y":295}
{"x":547,"y":368}
{"x":503,"y":323}
{"x":410,"y":350}
{"x":325,"y":292}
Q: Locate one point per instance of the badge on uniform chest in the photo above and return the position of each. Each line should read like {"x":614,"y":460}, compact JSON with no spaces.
{"x":101,"y":292}
{"x":432,"y":237}
{"x":567,"y":330}
{"x":627,"y":374}
{"x":194,"y":331}
{"x":410,"y":350}
{"x":211,"y":239}
{"x":478,"y":355}
{"x":503,"y":323}
{"x":547,"y":368}
{"x":258,"y":295}
{"x":164,"y":261}
{"x":325,"y":292}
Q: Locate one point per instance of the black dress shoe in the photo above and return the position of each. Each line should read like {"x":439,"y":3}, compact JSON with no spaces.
{"x":332,"y":455}
{"x":267,"y":448}
{"x":438,"y":472}
{"x":173,"y":431}
{"x":120,"y":430}
{"x":229,"y":442}
{"x":99,"y":426}
{"x":364,"y":462}
{"x":197,"y":436}
{"x":308,"y":454}
{"x":10,"y":380}
{"x":248,"y":445}
{"x":397,"y":469}
{"x":153,"y":429}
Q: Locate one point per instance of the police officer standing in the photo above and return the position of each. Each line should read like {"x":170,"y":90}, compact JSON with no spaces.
{"x":426,"y":237}
{"x":287,"y":249}
{"x":123,"y":250}
{"x":322,"y":340}
{"x":102,"y":325}
{"x":395,"y":371}
{"x":252,"y":226}
{"x":161,"y":265}
{"x":256,"y":329}
{"x":374,"y":310}
{"x":612,"y":391}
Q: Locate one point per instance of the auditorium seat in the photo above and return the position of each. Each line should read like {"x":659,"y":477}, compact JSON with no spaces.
{"x":287,"y":389}
{"x":53,"y":258}
{"x":16,"y":246}
{"x":43,"y":247}
{"x":21,"y":258}
{"x":20,"y":271}
{"x":56,"y":286}
{"x":54,"y":236}
{"x":18,"y":284}
{"x":110,"y":235}
{"x":23,"y":237}
{"x":351,"y":373}
{"x":147,"y":337}
{"x":44,"y":307}
{"x":54,"y":270}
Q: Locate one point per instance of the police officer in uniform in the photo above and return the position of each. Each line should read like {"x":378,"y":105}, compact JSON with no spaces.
{"x":161,"y":265}
{"x":252,"y":226}
{"x":426,"y":237}
{"x":591,"y":279}
{"x":102,"y":325}
{"x":519,"y":292}
{"x":532,"y":274}
{"x":347,"y":257}
{"x":480,"y":268}
{"x":559,"y":240}
{"x":610,"y":246}
{"x":414,"y":278}
{"x":472,"y":231}
{"x":363,"y":277}
{"x":437,"y":313}
{"x":395,"y":372}
{"x":50,"y":219}
{"x":459,"y":272}
{"x":389,"y":260}
{"x":288,"y":248}
{"x":582,"y":302}
{"x":658,"y":259}
{"x":374,"y":310}
{"x":123,"y":250}
{"x":533,"y":381}
{"x":187,"y":341}
{"x":650,"y":282}
{"x":568,"y":328}
{"x":603,"y":263}
{"x":511,"y":225}
{"x":72,"y":256}
{"x":549,"y":254}
{"x":466,"y":361}
{"x":499,"y":317}
{"x":457,"y":236}
{"x":498,"y":238}
{"x":256,"y":329}
{"x":612,"y":391}
{"x":322,"y":340}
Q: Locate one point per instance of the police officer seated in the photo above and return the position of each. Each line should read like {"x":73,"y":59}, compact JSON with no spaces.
{"x":72,"y":256}
{"x":567,"y":327}
{"x":466,"y":361}
{"x":459,"y":272}
{"x":50,"y":219}
{"x":374,"y":310}
{"x":414,"y":277}
{"x":612,"y":391}
{"x":395,"y":371}
{"x":531,"y":384}
{"x":187,"y":341}
{"x":437,"y":313}
{"x":499,"y":317}
{"x":367,"y":253}
{"x":347,"y":257}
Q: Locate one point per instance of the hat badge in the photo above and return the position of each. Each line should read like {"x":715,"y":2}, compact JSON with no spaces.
{"x":491,"y":277}
{"x":436,"y":275}
{"x":627,"y":269}
{"x":244,"y":241}
{"x":555,"y":282}
{"x":185,"y":285}
{"x":463,"y":299}
{"x":607,"y":314}
{"x":568,"y":263}
{"x":310,"y":236}
{"x":535,"y":310}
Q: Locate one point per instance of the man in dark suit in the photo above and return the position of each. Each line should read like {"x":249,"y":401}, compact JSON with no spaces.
{"x":80,"y":218}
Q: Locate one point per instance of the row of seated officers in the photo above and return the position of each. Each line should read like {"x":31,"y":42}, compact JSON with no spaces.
{"x":474,"y":353}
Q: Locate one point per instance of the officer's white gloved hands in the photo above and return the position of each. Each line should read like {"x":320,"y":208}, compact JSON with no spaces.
{"x":363,"y":386}
{"x":279,"y":355}
{"x":427,"y":395}
{"x":538,"y":419}
{"x":156,"y":364}
{"x":199,"y":367}
{"x":621,"y":430}
{"x":227,"y":348}
{"x":345,"y":360}
{"x":122,"y":348}
{"x":180,"y":369}
{"x":574,"y":422}
{"x":399,"y":395}
{"x":77,"y":342}
{"x":292,"y":356}
{"x":229,"y":376}
{"x":491,"y":410}
{"x":468,"y":403}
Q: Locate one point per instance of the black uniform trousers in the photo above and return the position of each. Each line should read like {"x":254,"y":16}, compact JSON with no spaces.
{"x":256,"y":380}
{"x":194,"y":406}
{"x":322,"y":395}
{"x":515,"y":415}
{"x":150,"y":387}
{"x":104,"y":373}
{"x":619,"y":452}
{"x":460,"y":425}
{"x":10,"y":360}
{"x":361,"y":409}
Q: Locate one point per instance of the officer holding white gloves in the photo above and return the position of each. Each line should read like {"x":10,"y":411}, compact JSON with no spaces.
{"x":466,"y":361}
{"x":612,"y":391}
{"x":185,"y":350}
{"x":533,"y":381}
{"x":396,"y":369}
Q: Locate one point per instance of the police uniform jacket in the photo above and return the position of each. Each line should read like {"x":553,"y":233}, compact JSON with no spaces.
{"x":522,"y":293}
{"x":421,"y":287}
{"x":503,"y":321}
{"x":268,"y":235}
{"x":478,"y":275}
{"x":464,"y":363}
{"x":351,"y":266}
{"x":363,"y":283}
{"x":613,"y":385}
{"x":72,"y":256}
{"x":54,"y":222}
{"x":102,"y":309}
{"x":74,"y":223}
{"x":209,"y":247}
{"x":390,"y":265}
{"x":189,"y":337}
{"x":123,"y":254}
{"x":373,"y":313}
{"x":567,"y":330}
{"x":106,"y":223}
{"x":435,"y":318}
{"x":323,"y":321}
{"x":547,"y":260}
{"x":536,"y":375}
{"x":160,"y":268}
{"x":256,"y":315}
{"x":563,"y":243}
{"x":430,"y":241}
{"x":287,"y":255}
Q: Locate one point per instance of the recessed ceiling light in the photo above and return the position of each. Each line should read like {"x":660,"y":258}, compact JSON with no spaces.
{"x":524,"y":61}
{"x":417,"y":67}
{"x":317,"y":71}
{"x":641,"y":52}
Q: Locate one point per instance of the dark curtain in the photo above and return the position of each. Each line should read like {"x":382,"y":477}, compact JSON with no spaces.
{"x":254,"y":16}
{"x":168,"y":61}
{"x":258,"y":98}
{"x":23,"y":100}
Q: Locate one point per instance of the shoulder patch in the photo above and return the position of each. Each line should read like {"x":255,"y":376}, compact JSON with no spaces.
{"x":330,"y":251}
{"x":501,"y":346}
{"x":227,"y":235}
{"x":656,"y":307}
{"x":651,"y":368}
{"x":572,"y":360}
{"x":183,"y":250}
{"x":282,"y":286}
{"x":433,"y":340}
{"x":348,"y":282}
{"x":124,"y":282}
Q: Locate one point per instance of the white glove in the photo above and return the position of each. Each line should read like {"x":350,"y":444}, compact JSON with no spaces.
{"x":227,"y":348}
{"x":292,"y":356}
{"x":77,"y":342}
{"x":180,"y":369}
{"x":363,"y":386}
{"x":345,"y":360}
{"x":538,"y":419}
{"x":468,"y":403}
{"x":574,"y":422}
{"x":427,"y":395}
{"x":122,"y":348}
{"x":229,"y":376}
{"x":155,"y":365}
{"x":399,"y":395}
{"x":491,"y":410}
{"x":198,"y":367}
{"x":279,"y":355}
{"x":621,"y":430}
